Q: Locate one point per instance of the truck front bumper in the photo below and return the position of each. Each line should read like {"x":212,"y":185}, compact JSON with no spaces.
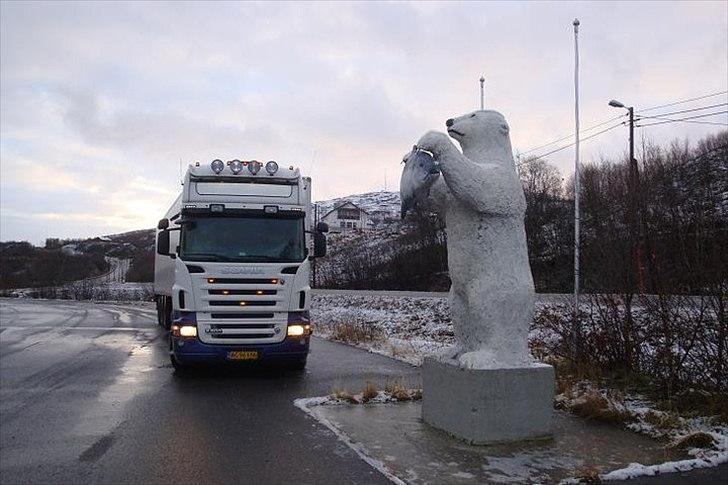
{"x":193,"y":351}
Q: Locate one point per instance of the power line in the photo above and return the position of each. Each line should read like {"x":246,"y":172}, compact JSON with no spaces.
{"x":683,"y":119}
{"x":685,"y":100}
{"x":685,"y":110}
{"x":572,"y":134}
{"x":569,"y":145}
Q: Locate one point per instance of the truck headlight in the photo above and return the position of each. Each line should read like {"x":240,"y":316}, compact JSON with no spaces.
{"x":184,"y":331}
{"x":296,"y":330}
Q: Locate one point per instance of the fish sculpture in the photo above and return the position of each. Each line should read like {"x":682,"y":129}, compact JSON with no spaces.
{"x":420,"y":172}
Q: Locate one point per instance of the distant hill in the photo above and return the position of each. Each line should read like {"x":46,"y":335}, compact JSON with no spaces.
{"x":61,"y":261}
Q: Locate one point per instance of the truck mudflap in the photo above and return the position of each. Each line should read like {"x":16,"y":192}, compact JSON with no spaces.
{"x":193,"y":351}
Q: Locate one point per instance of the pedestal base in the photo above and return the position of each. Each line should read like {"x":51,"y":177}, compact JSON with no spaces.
{"x":488,"y":405}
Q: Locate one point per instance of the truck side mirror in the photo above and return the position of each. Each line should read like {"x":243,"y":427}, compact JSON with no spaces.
{"x":163,"y":224}
{"x":319,"y":245}
{"x":322,"y":227}
{"x":163,"y":244}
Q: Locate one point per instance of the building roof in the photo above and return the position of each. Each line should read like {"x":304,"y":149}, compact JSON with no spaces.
{"x":346,"y":202}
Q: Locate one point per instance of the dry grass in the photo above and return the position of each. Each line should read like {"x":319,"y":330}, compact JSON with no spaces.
{"x":399,"y":352}
{"x":695,"y":440}
{"x":343,"y":395}
{"x":355,"y":333}
{"x":400,"y":392}
{"x":587,"y":474}
{"x":662,"y":420}
{"x":369,"y":392}
{"x":592,"y":405}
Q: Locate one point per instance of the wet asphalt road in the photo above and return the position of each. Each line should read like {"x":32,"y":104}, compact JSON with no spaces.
{"x":87,"y":394}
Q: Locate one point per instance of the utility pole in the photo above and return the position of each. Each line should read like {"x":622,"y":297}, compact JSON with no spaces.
{"x":482,"y":93}
{"x":576,"y":331}
{"x":313,"y":266}
{"x":636,"y":277}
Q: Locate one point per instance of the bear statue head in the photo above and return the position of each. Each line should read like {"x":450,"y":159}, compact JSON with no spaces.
{"x":481,"y":130}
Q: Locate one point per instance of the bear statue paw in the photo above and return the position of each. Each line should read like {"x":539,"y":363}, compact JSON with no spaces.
{"x":435,"y":142}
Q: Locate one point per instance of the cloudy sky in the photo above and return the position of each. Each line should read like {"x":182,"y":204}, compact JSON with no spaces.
{"x":101,"y":103}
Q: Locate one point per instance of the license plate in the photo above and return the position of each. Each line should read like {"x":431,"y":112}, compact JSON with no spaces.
{"x":242,"y":355}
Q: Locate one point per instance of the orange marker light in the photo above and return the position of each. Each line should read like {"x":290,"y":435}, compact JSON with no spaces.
{"x":210,"y":280}
{"x":274,"y":281}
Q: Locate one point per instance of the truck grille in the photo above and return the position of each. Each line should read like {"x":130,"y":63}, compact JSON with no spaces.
{"x":241,"y":315}
{"x":242,"y":310}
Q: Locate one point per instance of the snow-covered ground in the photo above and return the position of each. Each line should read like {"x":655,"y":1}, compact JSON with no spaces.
{"x":410,"y":327}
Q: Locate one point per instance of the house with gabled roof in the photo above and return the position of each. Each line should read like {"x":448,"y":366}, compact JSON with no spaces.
{"x":347,"y":216}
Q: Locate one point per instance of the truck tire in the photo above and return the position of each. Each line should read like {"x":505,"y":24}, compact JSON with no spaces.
{"x":158,"y":299}
{"x":164,"y":311}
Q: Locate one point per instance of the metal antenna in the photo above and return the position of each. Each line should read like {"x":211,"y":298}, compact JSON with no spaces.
{"x":482,"y":93}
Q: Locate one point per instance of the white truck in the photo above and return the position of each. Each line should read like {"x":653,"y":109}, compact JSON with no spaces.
{"x":232,"y":266}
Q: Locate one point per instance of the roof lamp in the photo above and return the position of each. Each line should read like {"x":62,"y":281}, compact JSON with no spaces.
{"x":254,"y":166}
{"x":236,"y":166}
{"x":271,"y":167}
{"x":217,"y":166}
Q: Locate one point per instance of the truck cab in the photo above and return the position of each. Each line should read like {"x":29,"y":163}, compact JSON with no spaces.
{"x":232,"y":269}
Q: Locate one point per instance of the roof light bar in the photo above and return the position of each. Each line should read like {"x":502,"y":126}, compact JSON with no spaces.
{"x":271,"y":167}
{"x":217,"y":166}
{"x":254,"y":166}
{"x":236,"y":166}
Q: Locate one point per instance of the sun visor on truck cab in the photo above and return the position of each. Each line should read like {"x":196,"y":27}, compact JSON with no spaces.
{"x":198,"y":212}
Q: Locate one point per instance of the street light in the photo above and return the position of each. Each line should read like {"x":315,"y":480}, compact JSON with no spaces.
{"x":633,"y":189}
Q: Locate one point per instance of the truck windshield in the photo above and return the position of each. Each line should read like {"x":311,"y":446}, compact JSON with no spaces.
{"x":243,"y":239}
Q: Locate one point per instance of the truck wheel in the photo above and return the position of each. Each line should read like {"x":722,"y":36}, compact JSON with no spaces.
{"x":160,"y":310}
{"x":167,"y":312}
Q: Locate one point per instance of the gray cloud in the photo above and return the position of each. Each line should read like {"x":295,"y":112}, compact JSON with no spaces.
{"x":114,"y":95}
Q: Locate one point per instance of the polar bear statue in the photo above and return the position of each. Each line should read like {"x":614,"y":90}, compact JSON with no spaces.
{"x":481,"y":200}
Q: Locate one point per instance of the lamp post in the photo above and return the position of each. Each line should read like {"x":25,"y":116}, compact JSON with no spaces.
{"x":576,"y":327}
{"x":633,"y":214}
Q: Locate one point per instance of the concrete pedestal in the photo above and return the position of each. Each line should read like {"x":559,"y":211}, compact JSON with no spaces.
{"x":488,"y":405}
